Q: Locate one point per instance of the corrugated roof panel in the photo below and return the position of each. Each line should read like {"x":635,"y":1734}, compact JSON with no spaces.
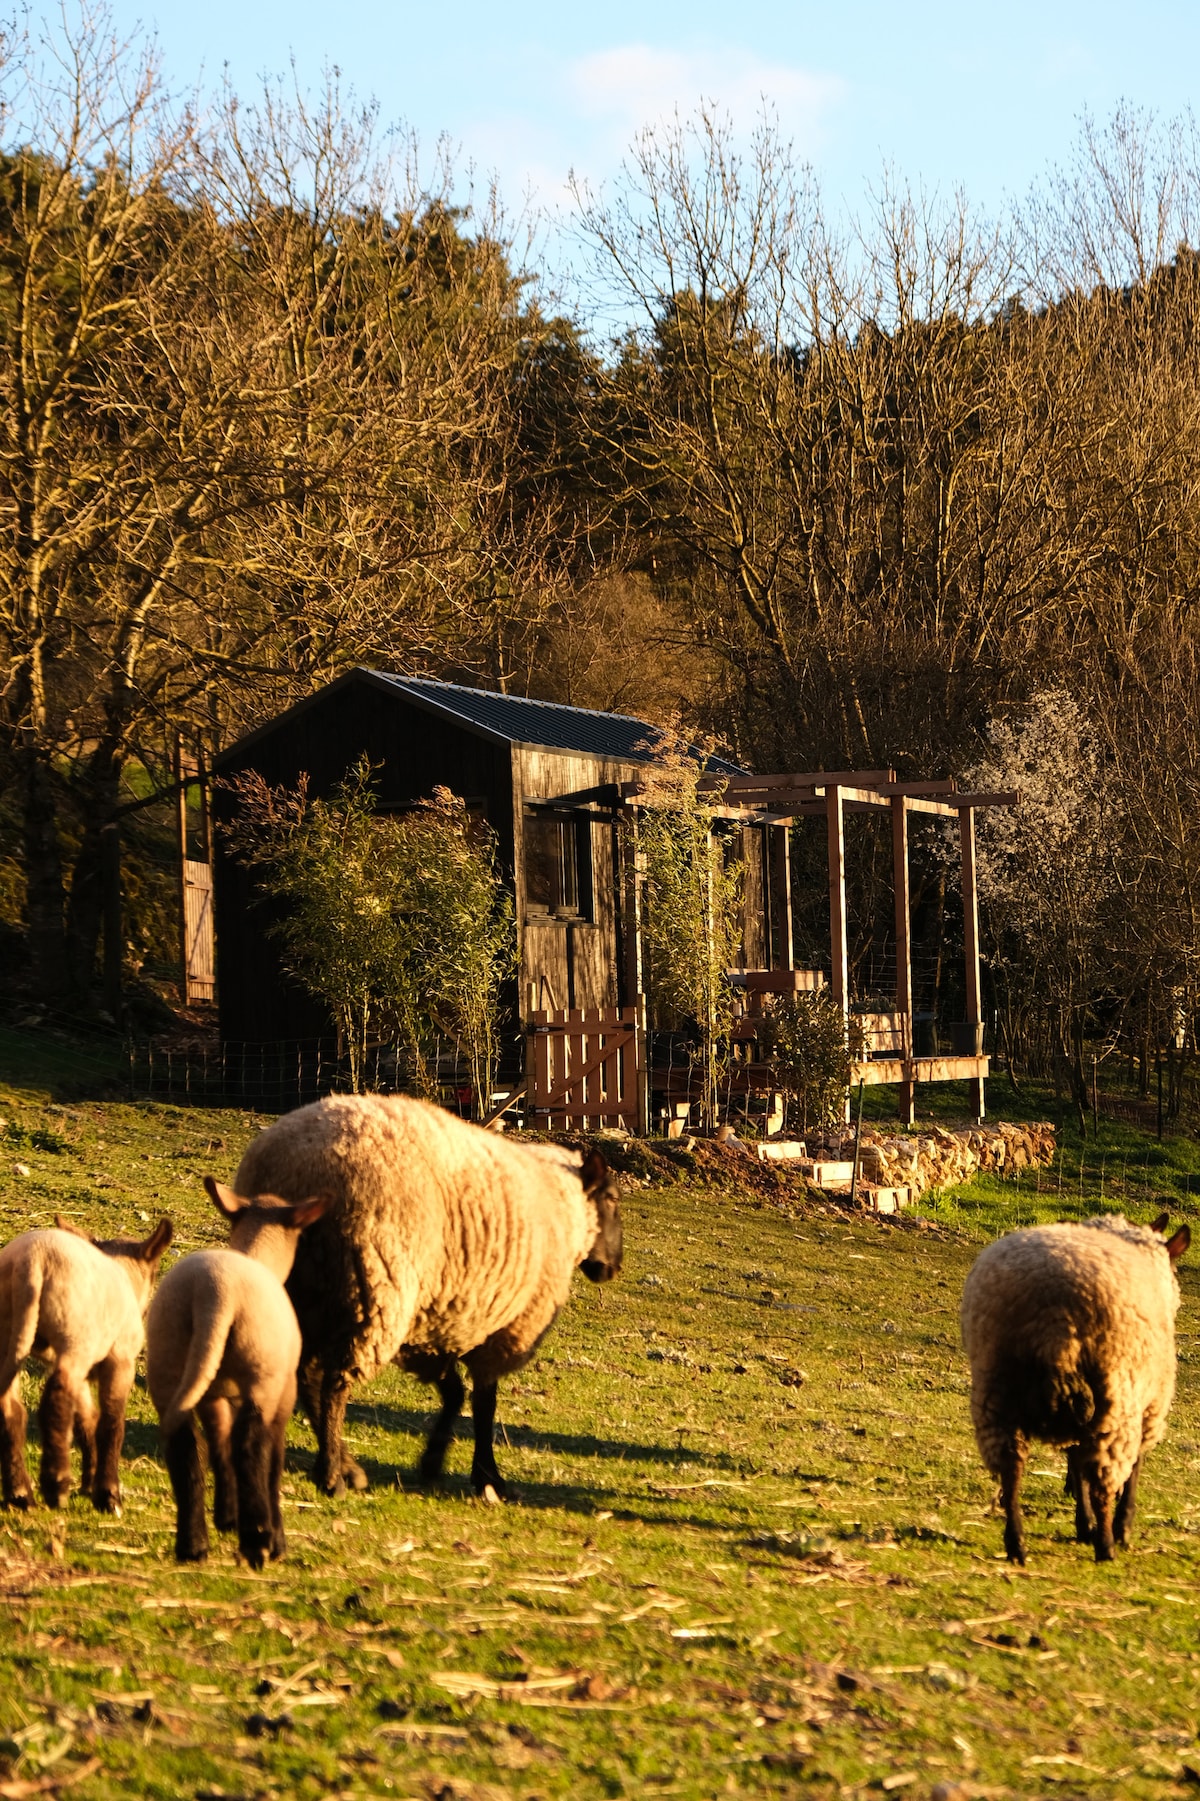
{"x":541,"y":722}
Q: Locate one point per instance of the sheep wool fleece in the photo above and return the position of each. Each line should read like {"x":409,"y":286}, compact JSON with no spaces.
{"x":1070,"y":1331}
{"x":443,"y":1238}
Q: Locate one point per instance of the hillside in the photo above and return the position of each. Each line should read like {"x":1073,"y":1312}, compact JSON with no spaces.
{"x":753,"y":1550}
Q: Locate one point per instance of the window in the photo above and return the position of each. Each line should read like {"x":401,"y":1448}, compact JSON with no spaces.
{"x":558,"y":862}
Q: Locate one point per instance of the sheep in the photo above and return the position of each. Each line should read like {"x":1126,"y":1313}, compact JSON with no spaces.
{"x":221,"y":1335}
{"x":1070,"y":1332}
{"x":77,"y":1304}
{"x":446,"y":1243}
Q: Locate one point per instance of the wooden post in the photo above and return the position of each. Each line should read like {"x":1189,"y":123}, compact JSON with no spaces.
{"x":838,"y":938}
{"x":642,"y":1068}
{"x":780,"y":881}
{"x":904,"y":1001}
{"x":181,"y":825}
{"x":970,"y":900}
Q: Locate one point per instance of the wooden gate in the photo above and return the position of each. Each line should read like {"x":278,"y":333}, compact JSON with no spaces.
{"x":588,"y":1068}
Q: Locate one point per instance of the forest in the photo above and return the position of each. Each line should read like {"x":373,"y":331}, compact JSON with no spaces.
{"x":917,"y":488}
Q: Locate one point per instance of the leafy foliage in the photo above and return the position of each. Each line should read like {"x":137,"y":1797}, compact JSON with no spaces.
{"x":398,"y":924}
{"x":811,"y":1047}
{"x":693,"y":892}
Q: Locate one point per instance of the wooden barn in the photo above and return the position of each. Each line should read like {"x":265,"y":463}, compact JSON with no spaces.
{"x":554,"y":783}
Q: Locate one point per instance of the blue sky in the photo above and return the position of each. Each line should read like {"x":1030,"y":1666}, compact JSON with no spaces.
{"x":947,"y":94}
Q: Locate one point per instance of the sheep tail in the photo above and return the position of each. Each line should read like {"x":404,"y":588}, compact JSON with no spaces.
{"x":26,"y":1310}
{"x":210,"y":1324}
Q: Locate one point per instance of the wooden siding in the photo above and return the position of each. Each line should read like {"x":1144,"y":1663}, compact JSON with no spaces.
{"x":571,"y":963}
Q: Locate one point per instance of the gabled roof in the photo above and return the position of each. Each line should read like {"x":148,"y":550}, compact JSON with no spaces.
{"x":542,"y":723}
{"x":502,"y":718}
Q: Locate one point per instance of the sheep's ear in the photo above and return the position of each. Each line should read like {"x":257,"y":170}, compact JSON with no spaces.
{"x":593,"y":1172}
{"x":1178,"y":1245}
{"x":1161,"y":1223}
{"x":224,"y":1199}
{"x":68,"y":1225}
{"x":154,"y":1246}
{"x":307,"y":1213}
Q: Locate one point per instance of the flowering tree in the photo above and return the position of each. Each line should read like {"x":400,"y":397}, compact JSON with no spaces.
{"x":1048,"y":874}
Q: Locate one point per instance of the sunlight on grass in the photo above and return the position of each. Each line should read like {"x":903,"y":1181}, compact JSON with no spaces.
{"x":753,"y":1550}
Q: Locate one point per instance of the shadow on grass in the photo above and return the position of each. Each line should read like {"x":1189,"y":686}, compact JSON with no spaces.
{"x":414,"y":1423}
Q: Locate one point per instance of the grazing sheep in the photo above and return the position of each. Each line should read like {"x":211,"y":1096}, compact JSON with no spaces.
{"x":1070,"y":1330}
{"x":77,"y":1304}
{"x":222,"y":1335}
{"x":445,"y":1242}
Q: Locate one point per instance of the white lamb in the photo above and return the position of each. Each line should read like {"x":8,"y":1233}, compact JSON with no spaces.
{"x":1070,"y":1330}
{"x":76,"y":1304}
{"x":222,"y":1340}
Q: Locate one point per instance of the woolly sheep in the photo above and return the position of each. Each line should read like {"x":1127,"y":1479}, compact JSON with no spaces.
{"x":221,"y":1335}
{"x":1070,"y":1331}
{"x":445,"y":1242}
{"x":76,"y":1304}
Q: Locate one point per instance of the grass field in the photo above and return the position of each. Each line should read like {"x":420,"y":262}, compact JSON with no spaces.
{"x":753,"y":1550}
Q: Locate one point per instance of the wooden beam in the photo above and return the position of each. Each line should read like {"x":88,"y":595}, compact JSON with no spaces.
{"x":970,"y":900}
{"x":838,"y":939}
{"x":780,"y":888}
{"x":900,"y":804}
{"x":1004,"y":797}
{"x":816,"y":778}
{"x":948,"y":786}
{"x":887,"y":1071}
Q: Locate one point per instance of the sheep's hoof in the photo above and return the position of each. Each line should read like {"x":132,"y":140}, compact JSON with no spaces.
{"x":105,"y":1501}
{"x":1105,"y":1554}
{"x":23,"y":1501}
{"x":355,"y":1476}
{"x":489,"y":1497}
{"x":191,"y":1553}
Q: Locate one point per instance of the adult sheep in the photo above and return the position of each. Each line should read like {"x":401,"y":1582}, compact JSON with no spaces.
{"x":1070,"y":1331}
{"x":445,"y":1242}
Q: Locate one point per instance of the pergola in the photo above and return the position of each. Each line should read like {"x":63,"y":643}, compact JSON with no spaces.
{"x":778,"y":802}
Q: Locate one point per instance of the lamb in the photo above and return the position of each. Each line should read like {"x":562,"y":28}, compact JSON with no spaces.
{"x":76,"y":1303}
{"x":446,"y":1242}
{"x":221,"y":1335}
{"x":1070,"y":1331}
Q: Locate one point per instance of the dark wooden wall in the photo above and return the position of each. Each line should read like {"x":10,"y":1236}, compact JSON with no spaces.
{"x":415,"y":749}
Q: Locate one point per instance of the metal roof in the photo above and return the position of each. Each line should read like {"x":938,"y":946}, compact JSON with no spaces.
{"x":543,"y":723}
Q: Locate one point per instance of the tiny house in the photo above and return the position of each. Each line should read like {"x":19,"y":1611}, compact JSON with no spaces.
{"x":548,"y":780}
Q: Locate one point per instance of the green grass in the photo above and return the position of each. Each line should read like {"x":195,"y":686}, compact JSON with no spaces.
{"x":753,"y":1553}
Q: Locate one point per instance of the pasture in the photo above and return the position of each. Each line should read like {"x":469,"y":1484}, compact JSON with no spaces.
{"x":753,"y":1550}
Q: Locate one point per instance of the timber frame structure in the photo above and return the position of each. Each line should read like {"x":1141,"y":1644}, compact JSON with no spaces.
{"x":776,"y":803}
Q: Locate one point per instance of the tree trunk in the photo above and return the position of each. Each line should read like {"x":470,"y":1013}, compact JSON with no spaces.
{"x":85,"y":907}
{"x":46,"y":944}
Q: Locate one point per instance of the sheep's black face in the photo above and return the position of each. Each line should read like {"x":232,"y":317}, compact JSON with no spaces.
{"x":603,"y":1261}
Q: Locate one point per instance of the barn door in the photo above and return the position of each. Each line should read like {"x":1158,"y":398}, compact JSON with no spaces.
{"x":197,"y":934}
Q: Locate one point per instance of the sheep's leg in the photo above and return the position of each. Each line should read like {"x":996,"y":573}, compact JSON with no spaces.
{"x":115,"y":1381}
{"x":278,"y":1449}
{"x":216,"y":1417}
{"x":14,"y":1473}
{"x":85,"y":1437}
{"x":450,"y":1387}
{"x":1102,"y":1499}
{"x":56,"y":1418}
{"x":187,"y":1485}
{"x":1085,"y":1524}
{"x":311,"y":1388}
{"x":484,"y":1473}
{"x":335,"y":1469}
{"x":252,"y":1465}
{"x":1126,"y":1506}
{"x":1011,"y":1469}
